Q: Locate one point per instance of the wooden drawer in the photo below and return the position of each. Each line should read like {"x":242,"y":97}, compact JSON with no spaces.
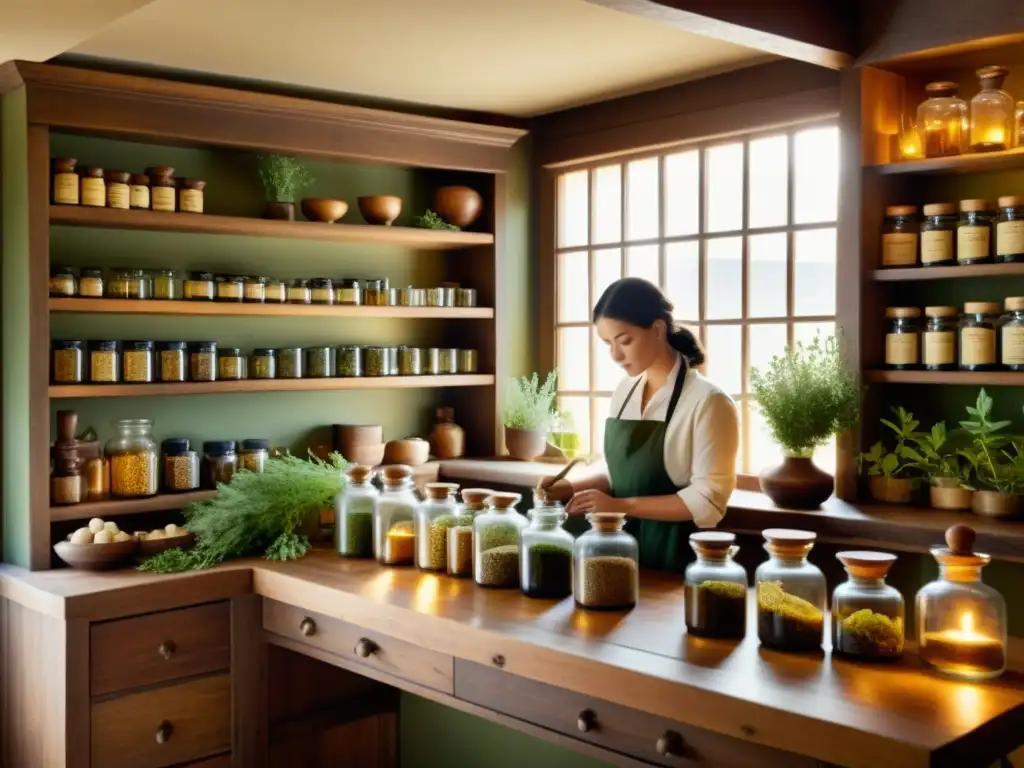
{"x":163,"y":726}
{"x":360,"y":647}
{"x":157,"y":647}
{"x":612,"y":726}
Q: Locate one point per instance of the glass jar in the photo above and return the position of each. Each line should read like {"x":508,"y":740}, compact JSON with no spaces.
{"x":190,"y":195}
{"x":93,"y":188}
{"x":715,"y":588}
{"x":991,"y":112}
{"x":104,"y":362}
{"x":978,"y":336}
{"x":937,"y":235}
{"x":545,"y":552}
{"x":173,"y":361}
{"x":791,"y":593}
{"x":460,"y":537}
{"x":230,"y":288}
{"x":376,"y":362}
{"x":353,"y":513}
{"x":220,"y":461}
{"x":181,"y":465}
{"x":254,"y":454}
{"x":392,"y":359}
{"x":467,"y":361}
{"x":299,"y":293}
{"x":938,"y":348}
{"x":496,"y":542}
{"x":65,"y":181}
{"x":202,"y":361}
{"x":448,"y":360}
{"x":138,"y":192}
{"x":409,"y":361}
{"x":275,"y":291}
{"x":348,"y":292}
{"x":166,"y":285}
{"x":1010,"y":230}
{"x":289,"y":363}
{"x":319,"y":362}
{"x":431,"y":362}
{"x":163,"y":190}
{"x":97,"y":478}
{"x":230,"y":364}
{"x":90,"y":283}
{"x":899,"y":236}
{"x":961,"y":621}
{"x":200,"y":287}
{"x":63,"y":282}
{"x":1018,"y":125}
{"x":1011,"y":346}
{"x":902,"y":338}
{"x":435,"y":297}
{"x":263,"y":364}
{"x":255,"y":289}
{"x":867,"y":614}
{"x":130,"y":284}
{"x":974,"y":232}
{"x":321,"y":290}
{"x":375,"y":293}
{"x":943,"y":120}
{"x":434,"y":516}
{"x":138,"y":362}
{"x":66,"y":480}
{"x":349,"y":361}
{"x":134,"y":460}
{"x":394,"y":533}
{"x":465,"y":297}
{"x":606,"y":564}
{"x":117,"y":189}
{"x":68,"y":362}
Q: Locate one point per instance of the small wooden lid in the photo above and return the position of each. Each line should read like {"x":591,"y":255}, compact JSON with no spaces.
{"x":975,"y":204}
{"x":396,"y":474}
{"x":93,"y":172}
{"x":476,"y":497}
{"x":1014,"y":303}
{"x":901,"y":210}
{"x":140,"y":180}
{"x":606,"y":521}
{"x":713,"y":541}
{"x":788,"y":536}
{"x":941,"y":312}
{"x":359,"y":473}
{"x":160,"y":171}
{"x":866,"y":565}
{"x":982,"y":308}
{"x":941,"y":88}
{"x":196,"y":184}
{"x":504,"y":500}
{"x":991,"y":72}
{"x":118,"y":177}
{"x":902,"y":312}
{"x":959,"y":549}
{"x":440,"y":491}
{"x":939,"y":209}
{"x":1010,"y":201}
{"x":65,"y":164}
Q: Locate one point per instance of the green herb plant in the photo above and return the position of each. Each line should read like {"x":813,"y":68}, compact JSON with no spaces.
{"x":936,"y":454}
{"x":430,"y":220}
{"x":807,"y":396}
{"x":993,"y":467}
{"x":283,"y":177}
{"x":258,"y":513}
{"x":896,"y":463}
{"x":528,"y":404}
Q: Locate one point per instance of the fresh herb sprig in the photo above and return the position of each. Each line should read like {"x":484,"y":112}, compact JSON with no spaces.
{"x":283,"y":177}
{"x":430,"y":220}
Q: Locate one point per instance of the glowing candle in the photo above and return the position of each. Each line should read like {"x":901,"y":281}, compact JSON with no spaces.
{"x":963,"y":652}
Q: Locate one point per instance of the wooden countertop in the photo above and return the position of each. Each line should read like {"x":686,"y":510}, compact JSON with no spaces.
{"x":841,"y":712}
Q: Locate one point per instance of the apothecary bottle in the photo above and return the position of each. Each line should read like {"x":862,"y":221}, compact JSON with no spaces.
{"x":220,"y":462}
{"x":715,"y":587}
{"x":496,"y":542}
{"x":263,"y":364}
{"x":974,"y":232}
{"x":134,"y":459}
{"x":791,"y":593}
{"x":289,"y":363}
{"x":606,"y":562}
{"x":275,"y":292}
{"x":173,"y":361}
{"x":163,"y":190}
{"x":353,"y":513}
{"x":937,"y":235}
{"x":545,"y":552}
{"x":138,"y":362}
{"x":230,"y":288}
{"x":1011,"y":341}
{"x":902,"y":338}
{"x":90,"y":283}
{"x":167,"y":285}
{"x":253,"y":454}
{"x":230,"y":364}
{"x":394,"y":533}
{"x":899,"y":236}
{"x":104,"y":362}
{"x":978,"y":336}
{"x":938,"y":347}
{"x":63,"y":282}
{"x":299,"y":293}
{"x":190,"y":195}
{"x":319,"y":362}
{"x":460,"y":537}
{"x":867,"y":614}
{"x":68,"y":362}
{"x":130,"y":284}
{"x":943,"y":120}
{"x":118,"y":194}
{"x":321,"y":290}
{"x":202,"y":361}
{"x":1010,"y":229}
{"x":200,"y":287}
{"x":65,"y":181}
{"x":961,"y":621}
{"x":181,"y":465}
{"x":991,"y":112}
{"x":93,"y":188}
{"x":255,"y":290}
{"x":438,"y":512}
{"x":138,"y":191}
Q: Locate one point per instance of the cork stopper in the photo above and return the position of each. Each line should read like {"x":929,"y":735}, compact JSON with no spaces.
{"x":440,"y":491}
{"x":939,"y":209}
{"x":475,"y":498}
{"x":1014,"y":303}
{"x":606,"y":522}
{"x":959,"y":550}
{"x":118,"y":177}
{"x":396,"y":474}
{"x":503,"y":500}
{"x":788,"y":542}
{"x":901,"y":210}
{"x":974,"y":205}
{"x":1010,"y":201}
{"x":358,"y":473}
{"x":714,"y":545}
{"x":902,"y":312}
{"x":992,"y":76}
{"x":866,"y":565}
{"x":982,"y":308}
{"x":940,"y":312}
{"x":941,"y":88}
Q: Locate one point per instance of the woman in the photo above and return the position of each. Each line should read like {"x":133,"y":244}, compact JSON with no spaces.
{"x":670,"y":444}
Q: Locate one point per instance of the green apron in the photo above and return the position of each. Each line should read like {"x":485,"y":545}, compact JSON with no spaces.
{"x":635,"y":453}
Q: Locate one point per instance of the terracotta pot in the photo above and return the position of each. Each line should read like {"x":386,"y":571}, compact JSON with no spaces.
{"x":458,"y":205}
{"x":448,"y":440}
{"x":946,"y":493}
{"x":797,"y":484}
{"x":995,"y":504}
{"x":525,"y":444}
{"x":890,"y":490}
{"x":274,"y":210}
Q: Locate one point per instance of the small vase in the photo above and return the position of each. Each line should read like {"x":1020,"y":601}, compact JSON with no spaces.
{"x":890,"y":490}
{"x":797,"y":484}
{"x":448,"y":439}
{"x":525,"y":444}
{"x":946,"y":493}
{"x":995,"y":504}
{"x":283,"y":211}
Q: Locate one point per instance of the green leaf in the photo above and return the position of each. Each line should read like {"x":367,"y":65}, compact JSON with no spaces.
{"x":890,"y":463}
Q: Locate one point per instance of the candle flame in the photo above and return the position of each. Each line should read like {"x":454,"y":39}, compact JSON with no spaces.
{"x":967,"y":622}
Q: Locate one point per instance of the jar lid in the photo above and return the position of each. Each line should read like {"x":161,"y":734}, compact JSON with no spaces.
{"x":991,"y":72}
{"x":941,"y":88}
{"x":1010,"y":201}
{"x":959,"y":549}
{"x":476,"y":497}
{"x":203,"y":276}
{"x":65,"y":162}
{"x":902,"y":312}
{"x":172,"y":345}
{"x":94,"y":172}
{"x":176,"y":446}
{"x":203,"y":346}
{"x":118,"y":177}
{"x":230,"y":279}
{"x":713,"y":541}
{"x":62,"y":271}
{"x":160,"y":170}
{"x":606,"y":521}
{"x":321,"y":282}
{"x":103,"y":346}
{"x":67,"y":344}
{"x":91,"y":272}
{"x":396,"y":474}
{"x":440,"y":491}
{"x":940,"y":312}
{"x":975,"y":204}
{"x":349,"y":348}
{"x":789,"y":536}
{"x":901,"y":210}
{"x":256,"y":444}
{"x":504,"y":499}
{"x":196,"y":184}
{"x":140,"y":180}
{"x":866,"y":565}
{"x":219,"y":447}
{"x":166,"y":272}
{"x":939,"y":209}
{"x":1014,"y":303}
{"x":256,"y":279}
{"x":982,"y":308}
{"x":264,"y":352}
{"x":300,"y":283}
{"x":358,"y":473}
{"x":139,"y":346}
{"x":229,"y":352}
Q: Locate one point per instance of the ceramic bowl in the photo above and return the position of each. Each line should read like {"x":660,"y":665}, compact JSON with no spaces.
{"x":458,"y":205}
{"x":150,"y":547}
{"x":380,"y":209}
{"x":412,"y":451}
{"x":323,"y":209}
{"x":347,"y":435}
{"x":96,"y":557}
{"x":370,"y":455}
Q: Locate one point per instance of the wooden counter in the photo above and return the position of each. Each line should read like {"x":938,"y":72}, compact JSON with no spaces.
{"x":472,"y":642}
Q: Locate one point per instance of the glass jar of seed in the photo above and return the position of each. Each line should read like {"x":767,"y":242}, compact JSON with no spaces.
{"x":63,"y":282}
{"x":68,"y":359}
{"x":353,"y":513}
{"x":938,"y":342}
{"x":230,"y":288}
{"x":104,"y":362}
{"x":255,"y":289}
{"x":275,"y":291}
{"x":138,"y":191}
{"x":130,"y":284}
{"x":376,"y":361}
{"x":181,"y":465}
{"x":202,"y":361}
{"x":173,"y":361}
{"x":230,"y":364}
{"x":321,"y":290}
{"x":376,"y":292}
{"x":348,"y":291}
{"x":220,"y":460}
{"x":93,"y":187}
{"x":263,"y":364}
{"x":289,"y":363}
{"x":299,"y":293}
{"x":319,"y":362}
{"x":467,"y":361}
{"x":545,"y":552}
{"x":606,"y":564}
{"x":978,"y":340}
{"x":90,"y":283}
{"x":448,"y":360}
{"x":137,"y":362}
{"x":448,"y":294}
{"x":431,"y":361}
{"x":349,"y":361}
{"x":254,"y":454}
{"x":974,"y":232}
{"x":199,"y":287}
{"x":433,"y":516}
{"x":409,"y":363}
{"x":496,"y":535}
{"x":134,"y":460}
{"x":394,"y":534}
{"x":167,"y":285}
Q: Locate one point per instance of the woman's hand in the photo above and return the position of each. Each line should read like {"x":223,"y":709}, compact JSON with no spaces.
{"x":559,"y":491}
{"x":592,"y":500}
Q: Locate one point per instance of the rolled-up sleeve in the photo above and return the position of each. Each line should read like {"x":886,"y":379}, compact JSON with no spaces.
{"x":715,"y":445}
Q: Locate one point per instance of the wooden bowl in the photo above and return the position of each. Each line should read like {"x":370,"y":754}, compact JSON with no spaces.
{"x":458,"y":205}
{"x":380,"y":209}
{"x":96,"y":557}
{"x":150,"y":547}
{"x":413,"y":451}
{"x":348,"y":435}
{"x":323,"y":209}
{"x":370,"y":455}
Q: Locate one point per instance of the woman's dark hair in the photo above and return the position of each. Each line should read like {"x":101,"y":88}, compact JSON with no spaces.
{"x":639,"y":302}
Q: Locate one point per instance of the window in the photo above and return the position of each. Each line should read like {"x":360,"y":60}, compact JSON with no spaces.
{"x":740,"y":234}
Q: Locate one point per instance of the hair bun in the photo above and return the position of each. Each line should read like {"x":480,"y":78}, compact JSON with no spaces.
{"x":682,"y":340}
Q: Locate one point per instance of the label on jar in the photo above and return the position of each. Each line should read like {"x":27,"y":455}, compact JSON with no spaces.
{"x":229,"y":290}
{"x":899,"y":249}
{"x":138,"y":196}
{"x":977,"y":346}
{"x":117,"y":195}
{"x":900,"y":349}
{"x":972,"y":242}
{"x":91,"y":287}
{"x":191,"y":201}
{"x":936,"y":246}
{"x":163,"y":198}
{"x":65,"y":188}
{"x":323,"y":295}
{"x":62,"y":285}
{"x":94,"y":192}
{"x":939,"y":348}
{"x":1013,"y":345}
{"x":1009,"y":238}
{"x":275,"y":292}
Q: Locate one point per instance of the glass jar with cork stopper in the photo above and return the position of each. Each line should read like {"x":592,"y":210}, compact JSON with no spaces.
{"x":606,"y":563}
{"x":134,"y":459}
{"x":937,"y":235}
{"x":791,"y":593}
{"x":902,"y":338}
{"x":138,"y":192}
{"x":1010,"y":230}
{"x":938,"y":347}
{"x":943,"y":120}
{"x":460,"y":537}
{"x":118,"y":195}
{"x":867,"y":614}
{"x":163,"y":189}
{"x":1011,"y":341}
{"x":545,"y":551}
{"x":899,"y":236}
{"x":978,"y":336}
{"x":715,"y":587}
{"x":496,"y":542}
{"x":434,"y":516}
{"x":65,"y":181}
{"x":961,"y":621}
{"x":991,"y":112}
{"x":353,"y":513}
{"x":93,"y":188}
{"x":66,"y":480}
{"x":394,"y":533}
{"x":974,"y":232}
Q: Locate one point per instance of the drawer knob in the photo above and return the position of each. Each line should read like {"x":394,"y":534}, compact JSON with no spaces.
{"x":366,"y":647}
{"x":163,"y":732}
{"x":671,"y":744}
{"x":307,"y":627}
{"x":586,"y":721}
{"x":167,"y":649}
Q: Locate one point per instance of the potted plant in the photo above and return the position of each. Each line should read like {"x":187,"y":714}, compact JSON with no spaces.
{"x":283,"y":179}
{"x":527,"y":415}
{"x":937,"y":455}
{"x":891,"y":477}
{"x":997,"y":462}
{"x":806,"y":396}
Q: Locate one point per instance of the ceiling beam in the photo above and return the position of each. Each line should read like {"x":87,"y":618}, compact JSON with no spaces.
{"x":822,"y":33}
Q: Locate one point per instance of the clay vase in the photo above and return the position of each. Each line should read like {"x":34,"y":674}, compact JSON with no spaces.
{"x":890,"y":490}
{"x":525,"y":444}
{"x":797,"y":484}
{"x":283,"y":211}
{"x":448,"y":439}
{"x":458,"y":205}
{"x":946,"y":493}
{"x":995,"y":504}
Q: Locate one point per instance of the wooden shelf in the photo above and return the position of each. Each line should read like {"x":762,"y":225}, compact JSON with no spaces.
{"x":269,"y":385}
{"x":1008,"y":160}
{"x":1011,"y":269}
{"x":240,"y":309}
{"x":409,"y":237}
{"x":970,"y":378}
{"x":119,"y":507}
